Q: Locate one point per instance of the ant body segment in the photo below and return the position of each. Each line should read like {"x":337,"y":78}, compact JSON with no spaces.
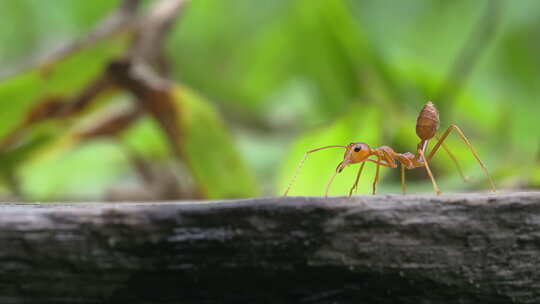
{"x":426,"y":128}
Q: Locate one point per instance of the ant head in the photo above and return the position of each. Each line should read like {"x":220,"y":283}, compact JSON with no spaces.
{"x":355,"y":153}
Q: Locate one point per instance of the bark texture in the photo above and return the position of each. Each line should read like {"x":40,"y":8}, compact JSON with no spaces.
{"x":470,"y":248}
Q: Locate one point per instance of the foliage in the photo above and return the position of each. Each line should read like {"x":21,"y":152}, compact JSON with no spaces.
{"x":278,"y":78}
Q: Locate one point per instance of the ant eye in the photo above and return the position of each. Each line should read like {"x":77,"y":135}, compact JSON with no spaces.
{"x":357,"y":149}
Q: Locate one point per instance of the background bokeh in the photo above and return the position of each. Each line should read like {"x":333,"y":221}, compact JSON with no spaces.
{"x":260,"y":82}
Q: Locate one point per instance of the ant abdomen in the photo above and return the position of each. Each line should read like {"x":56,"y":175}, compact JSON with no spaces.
{"x":427,"y":122}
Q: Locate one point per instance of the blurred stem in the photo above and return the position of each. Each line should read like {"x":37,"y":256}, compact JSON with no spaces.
{"x":13,"y":184}
{"x":538,"y":153}
{"x":141,"y":166}
{"x":140,"y":72}
{"x":152,"y":30}
{"x":118,"y":21}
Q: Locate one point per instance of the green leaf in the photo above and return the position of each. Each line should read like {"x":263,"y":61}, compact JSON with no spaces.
{"x":46,"y":140}
{"x":211,"y":152}
{"x":62,"y":167}
{"x":20,"y":92}
{"x":73,"y":172}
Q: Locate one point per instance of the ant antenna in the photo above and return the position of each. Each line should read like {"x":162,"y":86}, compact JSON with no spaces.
{"x":302,"y":163}
{"x":339,"y":168}
{"x":330,"y":183}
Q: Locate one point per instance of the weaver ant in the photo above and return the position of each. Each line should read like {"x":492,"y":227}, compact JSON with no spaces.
{"x":426,"y":128}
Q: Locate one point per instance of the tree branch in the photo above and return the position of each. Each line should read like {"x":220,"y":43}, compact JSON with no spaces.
{"x":118,"y":21}
{"x":467,"y":248}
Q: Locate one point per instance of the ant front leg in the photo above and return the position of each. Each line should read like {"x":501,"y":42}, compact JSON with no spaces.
{"x":378,"y":162}
{"x":330,"y":182}
{"x":355,"y":185}
{"x":473,"y":151}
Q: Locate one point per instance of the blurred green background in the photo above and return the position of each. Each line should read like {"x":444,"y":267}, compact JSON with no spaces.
{"x":257,"y":83}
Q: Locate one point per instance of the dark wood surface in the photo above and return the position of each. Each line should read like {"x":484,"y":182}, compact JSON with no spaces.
{"x":466,"y":248}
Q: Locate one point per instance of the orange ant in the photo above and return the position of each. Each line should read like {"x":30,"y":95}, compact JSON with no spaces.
{"x":426,"y":128}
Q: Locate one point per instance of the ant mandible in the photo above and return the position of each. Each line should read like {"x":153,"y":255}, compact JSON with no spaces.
{"x":426,"y":128}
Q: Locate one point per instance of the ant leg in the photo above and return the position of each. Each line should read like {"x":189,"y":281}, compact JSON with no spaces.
{"x":473,"y":151}
{"x":453,"y":158}
{"x":302,"y":163}
{"x":330,"y":183}
{"x":426,"y":165}
{"x":376,"y":175}
{"x":355,"y":185}
{"x":403,"y":186}
{"x":379,"y":163}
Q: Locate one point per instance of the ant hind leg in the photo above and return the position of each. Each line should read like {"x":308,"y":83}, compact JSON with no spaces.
{"x":376,"y":179}
{"x":469,"y":145}
{"x":426,"y":165}
{"x":454,"y":159}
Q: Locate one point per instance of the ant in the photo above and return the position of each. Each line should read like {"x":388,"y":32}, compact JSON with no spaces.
{"x":426,"y":128}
